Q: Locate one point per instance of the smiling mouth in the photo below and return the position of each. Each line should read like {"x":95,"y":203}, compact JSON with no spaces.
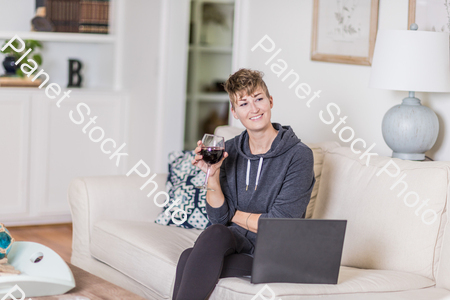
{"x":257,"y":117}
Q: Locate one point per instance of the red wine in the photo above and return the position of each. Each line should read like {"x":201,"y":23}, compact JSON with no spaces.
{"x":212,"y":155}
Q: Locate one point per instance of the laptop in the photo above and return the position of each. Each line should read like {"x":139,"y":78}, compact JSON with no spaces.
{"x":298,"y":250}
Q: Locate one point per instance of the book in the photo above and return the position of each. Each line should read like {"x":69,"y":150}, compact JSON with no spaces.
{"x":86,"y":16}
{"x":64,"y":14}
{"x":94,"y":16}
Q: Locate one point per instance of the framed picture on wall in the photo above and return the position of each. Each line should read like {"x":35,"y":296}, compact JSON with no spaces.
{"x":430,"y":15}
{"x":344,"y":31}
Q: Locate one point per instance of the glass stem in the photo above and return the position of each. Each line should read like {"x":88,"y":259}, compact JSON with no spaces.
{"x":207,"y":176}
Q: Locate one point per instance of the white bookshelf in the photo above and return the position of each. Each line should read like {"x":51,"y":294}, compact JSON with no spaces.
{"x":209,"y":62}
{"x":59,"y":37}
{"x":101,"y":54}
{"x":217,"y":1}
{"x":209,"y":97}
{"x":211,"y":49}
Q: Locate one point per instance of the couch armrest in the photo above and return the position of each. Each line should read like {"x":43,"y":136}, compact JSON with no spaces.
{"x":110,"y":197}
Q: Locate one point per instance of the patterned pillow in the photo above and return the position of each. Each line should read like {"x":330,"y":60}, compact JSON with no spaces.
{"x":181,"y":182}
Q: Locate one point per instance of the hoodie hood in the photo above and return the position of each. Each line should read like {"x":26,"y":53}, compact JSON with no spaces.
{"x":285,"y":140}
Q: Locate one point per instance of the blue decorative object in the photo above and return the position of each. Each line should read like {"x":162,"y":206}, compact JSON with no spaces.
{"x":181,"y":182}
{"x":6,"y":241}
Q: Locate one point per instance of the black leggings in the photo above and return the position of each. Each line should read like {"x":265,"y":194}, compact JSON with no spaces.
{"x":212,"y":257}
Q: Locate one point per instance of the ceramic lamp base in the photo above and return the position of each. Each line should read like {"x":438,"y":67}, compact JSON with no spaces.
{"x":410,"y":129}
{"x":409,"y":156}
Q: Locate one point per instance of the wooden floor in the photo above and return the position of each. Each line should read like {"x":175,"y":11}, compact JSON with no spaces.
{"x":57,"y":237}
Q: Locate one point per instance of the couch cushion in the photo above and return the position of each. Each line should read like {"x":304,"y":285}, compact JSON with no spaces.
{"x":319,"y":150}
{"x":228,"y":132}
{"x":351,"y":280}
{"x":383,"y":232}
{"x":144,"y":251}
{"x":221,"y":293}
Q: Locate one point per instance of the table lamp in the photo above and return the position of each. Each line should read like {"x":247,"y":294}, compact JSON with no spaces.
{"x":411,"y":60}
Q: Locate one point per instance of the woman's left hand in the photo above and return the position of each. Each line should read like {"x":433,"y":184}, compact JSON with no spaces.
{"x":248,"y":221}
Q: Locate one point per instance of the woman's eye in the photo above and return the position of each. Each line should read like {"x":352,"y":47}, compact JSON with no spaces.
{"x":260,"y":99}
{"x":243,"y":104}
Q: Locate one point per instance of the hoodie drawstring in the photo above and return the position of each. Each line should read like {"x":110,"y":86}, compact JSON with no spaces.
{"x":247,"y":179}
{"x":259,"y":171}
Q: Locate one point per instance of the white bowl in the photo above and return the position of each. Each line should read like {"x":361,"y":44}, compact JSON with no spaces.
{"x":45,"y":277}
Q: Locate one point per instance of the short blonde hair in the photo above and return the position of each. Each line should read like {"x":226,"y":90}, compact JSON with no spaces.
{"x":244,"y":82}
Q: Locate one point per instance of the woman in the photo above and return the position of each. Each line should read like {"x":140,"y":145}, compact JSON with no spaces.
{"x":266,"y":172}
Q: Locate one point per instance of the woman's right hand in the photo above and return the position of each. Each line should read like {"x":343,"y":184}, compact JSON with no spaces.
{"x":199,"y":162}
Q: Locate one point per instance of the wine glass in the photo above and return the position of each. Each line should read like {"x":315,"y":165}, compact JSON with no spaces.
{"x":213,"y":147}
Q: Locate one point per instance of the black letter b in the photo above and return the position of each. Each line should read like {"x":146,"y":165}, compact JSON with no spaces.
{"x":74,"y":72}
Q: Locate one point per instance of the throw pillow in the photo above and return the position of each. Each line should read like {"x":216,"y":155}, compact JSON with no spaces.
{"x":181,"y":182}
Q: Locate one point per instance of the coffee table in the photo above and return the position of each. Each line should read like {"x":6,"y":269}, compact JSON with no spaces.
{"x":93,"y":287}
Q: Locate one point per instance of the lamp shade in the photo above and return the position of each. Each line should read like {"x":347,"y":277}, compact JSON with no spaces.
{"x":411,"y":60}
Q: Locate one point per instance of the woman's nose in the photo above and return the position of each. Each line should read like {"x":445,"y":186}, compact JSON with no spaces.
{"x":254,"y":107}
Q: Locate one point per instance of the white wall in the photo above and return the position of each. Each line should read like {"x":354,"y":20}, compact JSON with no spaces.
{"x":140,"y":76}
{"x":172,"y":89}
{"x":155,"y":41}
{"x":289,"y":24}
{"x":15,"y":15}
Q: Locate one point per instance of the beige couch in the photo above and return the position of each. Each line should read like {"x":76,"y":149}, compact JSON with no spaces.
{"x":390,"y":252}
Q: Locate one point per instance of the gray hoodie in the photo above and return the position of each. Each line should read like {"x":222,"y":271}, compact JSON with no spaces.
{"x":277,"y":184}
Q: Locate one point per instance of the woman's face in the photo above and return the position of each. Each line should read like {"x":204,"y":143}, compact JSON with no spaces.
{"x":254,"y":111}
